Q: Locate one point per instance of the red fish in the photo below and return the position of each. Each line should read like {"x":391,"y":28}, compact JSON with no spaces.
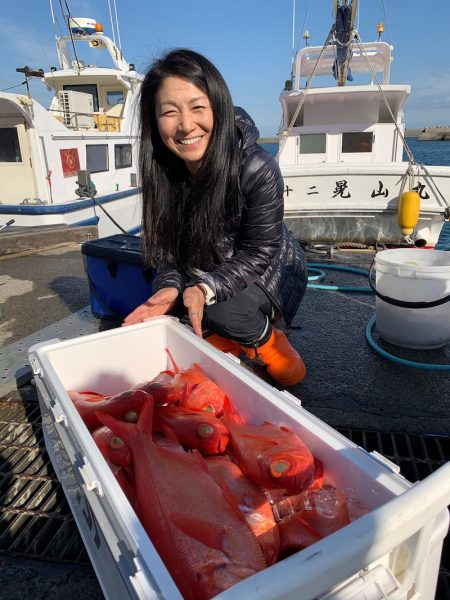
{"x":311,"y":516}
{"x":175,"y":386}
{"x":125,"y":406}
{"x":112,"y":447}
{"x":296,"y":534}
{"x":162,"y":388}
{"x":205,"y":396}
{"x":204,"y":544}
{"x":197,"y":390}
{"x":271,"y":456}
{"x":171,"y":444}
{"x":278,"y":496}
{"x":252,"y":502}
{"x":194,"y":430}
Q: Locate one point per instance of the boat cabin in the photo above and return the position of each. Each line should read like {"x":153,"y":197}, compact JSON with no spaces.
{"x":88,"y":97}
{"x":339,"y":124}
{"x":89,"y":126}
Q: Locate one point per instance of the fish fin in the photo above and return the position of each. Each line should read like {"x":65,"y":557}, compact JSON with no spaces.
{"x":229,"y":412}
{"x":207,"y":533}
{"x":284,"y":428}
{"x":145,"y":421}
{"x":174,"y":364}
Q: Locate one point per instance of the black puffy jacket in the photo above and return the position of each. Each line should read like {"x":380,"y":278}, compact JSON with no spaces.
{"x":261,"y":250}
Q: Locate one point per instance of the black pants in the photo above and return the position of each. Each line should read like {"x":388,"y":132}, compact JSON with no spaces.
{"x":244,"y":318}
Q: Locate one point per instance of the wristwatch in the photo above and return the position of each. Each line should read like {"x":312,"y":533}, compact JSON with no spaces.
{"x":209,"y":295}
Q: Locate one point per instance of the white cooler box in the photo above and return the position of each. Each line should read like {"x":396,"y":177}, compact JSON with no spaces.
{"x":392,"y":552}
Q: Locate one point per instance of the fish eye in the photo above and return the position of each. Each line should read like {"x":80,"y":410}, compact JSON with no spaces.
{"x":130,"y":416}
{"x":204,"y":430}
{"x":279,"y":467}
{"x":116,"y":442}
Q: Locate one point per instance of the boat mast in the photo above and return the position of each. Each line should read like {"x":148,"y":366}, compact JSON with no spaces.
{"x":344,"y":20}
{"x":293,"y":39}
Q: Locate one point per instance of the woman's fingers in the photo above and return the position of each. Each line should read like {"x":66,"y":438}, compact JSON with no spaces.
{"x":194,"y":301}
{"x":159,"y":304}
{"x":142,"y":312}
{"x":196,"y":322}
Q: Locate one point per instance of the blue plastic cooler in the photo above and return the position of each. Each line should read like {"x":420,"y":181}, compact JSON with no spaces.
{"x":118,"y":280}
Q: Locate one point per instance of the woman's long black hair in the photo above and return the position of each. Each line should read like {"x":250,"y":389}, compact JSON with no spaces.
{"x":186,"y":217}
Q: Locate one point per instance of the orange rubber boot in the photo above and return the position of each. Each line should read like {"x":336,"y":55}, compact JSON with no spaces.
{"x":224,"y":344}
{"x":282,"y":361}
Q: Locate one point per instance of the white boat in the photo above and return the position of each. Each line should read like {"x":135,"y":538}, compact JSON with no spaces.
{"x":68,"y":164}
{"x":341,"y":147}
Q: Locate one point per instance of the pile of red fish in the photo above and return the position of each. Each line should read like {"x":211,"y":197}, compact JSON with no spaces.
{"x":220,"y":499}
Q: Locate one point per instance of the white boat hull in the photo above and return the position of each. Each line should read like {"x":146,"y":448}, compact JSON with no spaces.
{"x":358,"y":203}
{"x":123,"y":207}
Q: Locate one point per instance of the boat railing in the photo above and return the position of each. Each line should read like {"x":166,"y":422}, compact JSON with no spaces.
{"x":101,"y":121}
{"x":379,"y":54}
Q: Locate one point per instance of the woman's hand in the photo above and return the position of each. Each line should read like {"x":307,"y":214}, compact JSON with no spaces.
{"x":158,"y":304}
{"x":194,"y":301}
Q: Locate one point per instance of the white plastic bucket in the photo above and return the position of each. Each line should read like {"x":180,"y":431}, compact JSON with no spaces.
{"x":413,"y":275}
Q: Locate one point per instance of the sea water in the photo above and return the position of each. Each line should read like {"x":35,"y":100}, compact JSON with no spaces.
{"x":426,"y":153}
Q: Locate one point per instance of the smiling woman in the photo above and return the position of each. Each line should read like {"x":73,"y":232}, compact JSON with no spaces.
{"x":185,"y":120}
{"x":213,"y":217}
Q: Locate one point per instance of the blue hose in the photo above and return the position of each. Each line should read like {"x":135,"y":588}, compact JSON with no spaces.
{"x":401,"y":361}
{"x":317,"y":268}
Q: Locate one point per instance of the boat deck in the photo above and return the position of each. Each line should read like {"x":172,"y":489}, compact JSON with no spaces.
{"x":402,"y":413}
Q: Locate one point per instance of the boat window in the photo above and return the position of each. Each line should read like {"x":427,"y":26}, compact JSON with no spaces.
{"x":9,"y":145}
{"x":313,"y":143}
{"x":85,"y":88}
{"x":122,"y":154}
{"x":114,"y":97}
{"x":97,"y":158}
{"x":360,"y":141}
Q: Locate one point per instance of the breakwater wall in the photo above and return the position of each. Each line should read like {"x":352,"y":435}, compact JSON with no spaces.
{"x":434,"y":134}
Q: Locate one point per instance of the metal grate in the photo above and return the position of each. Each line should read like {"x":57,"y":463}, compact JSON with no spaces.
{"x":417,"y":456}
{"x":36,"y":521}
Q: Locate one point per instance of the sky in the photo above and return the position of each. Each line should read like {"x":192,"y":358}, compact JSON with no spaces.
{"x":252,"y":42}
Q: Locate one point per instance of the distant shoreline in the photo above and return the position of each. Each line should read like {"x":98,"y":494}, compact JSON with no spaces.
{"x":424,"y":134}
{"x":268,"y":140}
